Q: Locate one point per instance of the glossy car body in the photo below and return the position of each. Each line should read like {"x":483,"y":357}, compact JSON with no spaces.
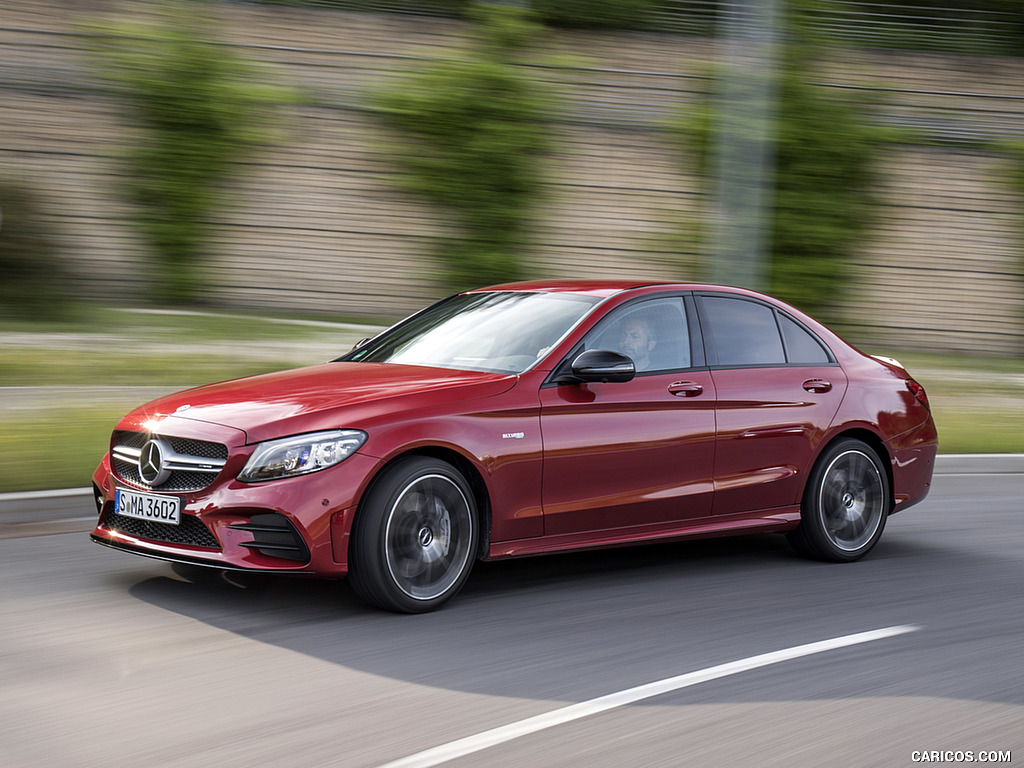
{"x":720,"y":437}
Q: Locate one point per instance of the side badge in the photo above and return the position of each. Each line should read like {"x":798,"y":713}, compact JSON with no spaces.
{"x":513,"y":435}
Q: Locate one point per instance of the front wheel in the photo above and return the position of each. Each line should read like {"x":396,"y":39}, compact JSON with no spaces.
{"x":845,"y":504}
{"x":414,"y":538}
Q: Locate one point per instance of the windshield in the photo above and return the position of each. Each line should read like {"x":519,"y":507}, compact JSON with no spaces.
{"x":503,"y":332}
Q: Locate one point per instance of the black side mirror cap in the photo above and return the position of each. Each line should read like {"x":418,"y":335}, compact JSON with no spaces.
{"x":602,"y":365}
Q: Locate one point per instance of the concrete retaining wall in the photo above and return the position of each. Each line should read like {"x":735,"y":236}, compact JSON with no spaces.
{"x":317,"y":227}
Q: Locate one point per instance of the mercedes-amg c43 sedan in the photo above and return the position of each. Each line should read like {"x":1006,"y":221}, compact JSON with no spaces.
{"x":520,"y":420}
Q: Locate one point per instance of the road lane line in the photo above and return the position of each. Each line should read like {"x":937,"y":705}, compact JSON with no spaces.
{"x":500,"y":735}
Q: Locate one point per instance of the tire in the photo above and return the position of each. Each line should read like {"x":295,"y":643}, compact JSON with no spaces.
{"x":414,"y":538}
{"x":845,"y":504}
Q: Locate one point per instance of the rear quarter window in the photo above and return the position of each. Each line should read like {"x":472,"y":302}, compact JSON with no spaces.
{"x":802,"y":346}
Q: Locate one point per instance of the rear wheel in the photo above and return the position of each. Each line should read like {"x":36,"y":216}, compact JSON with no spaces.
{"x":845,"y":504}
{"x":414,"y":538}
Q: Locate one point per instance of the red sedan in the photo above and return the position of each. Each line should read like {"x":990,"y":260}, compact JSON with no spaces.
{"x":526,"y":419}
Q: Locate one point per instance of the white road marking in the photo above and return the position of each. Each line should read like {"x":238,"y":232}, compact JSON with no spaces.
{"x":495,"y":736}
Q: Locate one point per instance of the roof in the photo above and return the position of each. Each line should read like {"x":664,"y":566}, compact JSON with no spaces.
{"x":602,"y":288}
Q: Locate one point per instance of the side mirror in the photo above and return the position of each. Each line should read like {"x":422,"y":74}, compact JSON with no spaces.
{"x":604,"y":366}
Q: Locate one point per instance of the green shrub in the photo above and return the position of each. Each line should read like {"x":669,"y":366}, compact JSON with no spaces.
{"x":825,"y":197}
{"x":610,"y":14}
{"x":35,"y":281}
{"x":450,"y":8}
{"x":470,"y":139}
{"x":200,"y":110}
{"x":581,"y":14}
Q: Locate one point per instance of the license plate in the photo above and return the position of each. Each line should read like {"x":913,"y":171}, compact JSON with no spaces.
{"x":148,"y":506}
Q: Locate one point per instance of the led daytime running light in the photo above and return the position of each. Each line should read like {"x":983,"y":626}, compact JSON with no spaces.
{"x":300,"y":455}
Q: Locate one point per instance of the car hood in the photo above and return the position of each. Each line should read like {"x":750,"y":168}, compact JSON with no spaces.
{"x":322,"y":397}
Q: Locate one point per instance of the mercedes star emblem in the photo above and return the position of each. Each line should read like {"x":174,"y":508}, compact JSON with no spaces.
{"x":151,"y":463}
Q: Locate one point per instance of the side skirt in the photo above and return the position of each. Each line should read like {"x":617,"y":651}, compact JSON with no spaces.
{"x":770,"y":521}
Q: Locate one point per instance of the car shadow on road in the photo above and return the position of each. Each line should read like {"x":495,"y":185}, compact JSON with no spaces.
{"x":587,"y":623}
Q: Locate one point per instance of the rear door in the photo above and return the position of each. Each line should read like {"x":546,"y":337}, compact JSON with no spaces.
{"x":778,"y":388}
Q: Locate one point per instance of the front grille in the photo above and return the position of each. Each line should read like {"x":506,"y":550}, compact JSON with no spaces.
{"x":274,"y":535}
{"x":130,"y":439}
{"x":190,"y":531}
{"x":199,"y":448}
{"x":206,"y":457}
{"x":186,"y":445}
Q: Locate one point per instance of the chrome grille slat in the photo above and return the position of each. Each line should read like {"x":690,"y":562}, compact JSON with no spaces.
{"x":194,"y":464}
{"x":125,"y":453}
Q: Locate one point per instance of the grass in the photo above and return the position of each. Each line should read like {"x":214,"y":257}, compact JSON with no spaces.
{"x":53,"y":448}
{"x":53,"y":437}
{"x":996,"y":432}
{"x":977,"y":402}
{"x":117,"y":348}
{"x":40,"y":367}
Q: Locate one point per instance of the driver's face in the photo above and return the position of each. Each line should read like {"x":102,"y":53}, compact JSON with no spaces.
{"x":636,"y":341}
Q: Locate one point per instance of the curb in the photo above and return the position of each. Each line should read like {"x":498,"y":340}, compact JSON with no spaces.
{"x":979,"y":464}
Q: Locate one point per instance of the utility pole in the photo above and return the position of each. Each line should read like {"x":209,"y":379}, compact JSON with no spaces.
{"x":744,"y":165}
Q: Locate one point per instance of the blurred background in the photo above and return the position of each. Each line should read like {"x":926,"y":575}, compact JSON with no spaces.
{"x":192,"y":191}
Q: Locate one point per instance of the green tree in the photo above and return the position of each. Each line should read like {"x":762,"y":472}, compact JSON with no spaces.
{"x":35,"y":282}
{"x":199,"y":110}
{"x":823,"y":199}
{"x":470,"y":139}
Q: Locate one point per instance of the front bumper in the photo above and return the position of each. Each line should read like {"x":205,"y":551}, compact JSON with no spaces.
{"x":298,"y":525}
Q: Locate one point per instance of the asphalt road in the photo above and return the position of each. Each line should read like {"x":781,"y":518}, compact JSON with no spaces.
{"x":111,"y":660}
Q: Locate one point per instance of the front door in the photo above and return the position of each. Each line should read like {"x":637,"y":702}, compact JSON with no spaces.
{"x":637,"y":453}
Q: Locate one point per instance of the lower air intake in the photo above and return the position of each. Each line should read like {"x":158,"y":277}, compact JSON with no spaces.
{"x":190,"y":531}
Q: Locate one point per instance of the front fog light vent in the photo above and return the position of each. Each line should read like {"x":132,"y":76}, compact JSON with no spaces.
{"x":274,"y":535}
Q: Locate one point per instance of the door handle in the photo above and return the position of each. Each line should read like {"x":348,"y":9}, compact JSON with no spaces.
{"x":685,"y":388}
{"x":818,"y":385}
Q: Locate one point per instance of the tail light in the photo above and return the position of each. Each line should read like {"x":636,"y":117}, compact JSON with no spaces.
{"x":919,"y":393}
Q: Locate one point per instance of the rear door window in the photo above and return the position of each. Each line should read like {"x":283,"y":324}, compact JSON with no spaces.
{"x":744,"y":332}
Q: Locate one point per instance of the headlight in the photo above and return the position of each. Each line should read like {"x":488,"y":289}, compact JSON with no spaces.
{"x":301,"y":454}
